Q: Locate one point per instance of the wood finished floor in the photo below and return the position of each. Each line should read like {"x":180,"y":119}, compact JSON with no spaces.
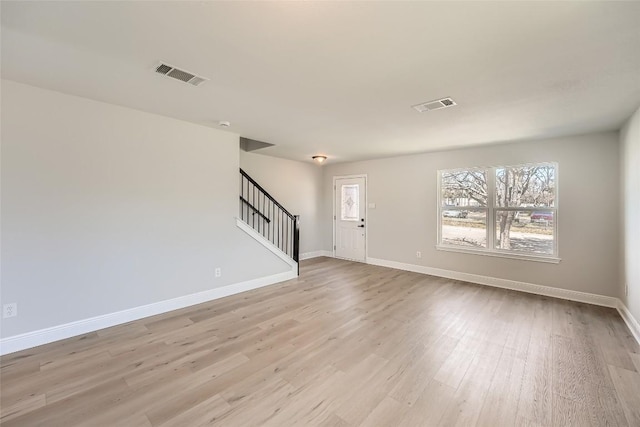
{"x":345,"y":344}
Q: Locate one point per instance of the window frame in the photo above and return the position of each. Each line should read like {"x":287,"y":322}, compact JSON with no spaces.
{"x":491,"y":215}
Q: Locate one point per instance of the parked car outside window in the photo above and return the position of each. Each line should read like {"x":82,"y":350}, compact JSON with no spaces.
{"x":542,"y":216}
{"x":455,"y":214}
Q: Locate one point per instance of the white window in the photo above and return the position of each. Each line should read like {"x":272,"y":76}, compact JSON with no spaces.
{"x":509,"y":211}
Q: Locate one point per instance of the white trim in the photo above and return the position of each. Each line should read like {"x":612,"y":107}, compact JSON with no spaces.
{"x":500,"y":254}
{"x":503,"y":283}
{"x":266,"y":243}
{"x":55,"y":333}
{"x":595,"y":299}
{"x":48,"y":335}
{"x":316,"y":254}
{"x":358,"y":175}
{"x":632,"y":323}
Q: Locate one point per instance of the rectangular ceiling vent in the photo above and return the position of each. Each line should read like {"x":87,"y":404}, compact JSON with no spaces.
{"x":182,"y":75}
{"x":434,"y":105}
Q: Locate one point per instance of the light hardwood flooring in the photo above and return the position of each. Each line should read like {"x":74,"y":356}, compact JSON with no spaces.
{"x":345,"y":344}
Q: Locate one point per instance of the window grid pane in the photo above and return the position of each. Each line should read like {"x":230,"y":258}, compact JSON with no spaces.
{"x":525,"y":186}
{"x":464,"y":188}
{"x":525,"y":231}
{"x":465,"y":228}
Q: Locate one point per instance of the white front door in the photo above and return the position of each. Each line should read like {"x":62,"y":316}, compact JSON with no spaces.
{"x":350,"y":219}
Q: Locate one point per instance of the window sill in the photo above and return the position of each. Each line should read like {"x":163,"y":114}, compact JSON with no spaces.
{"x":499,"y":254}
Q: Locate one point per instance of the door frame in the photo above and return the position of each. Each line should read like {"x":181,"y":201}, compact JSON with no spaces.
{"x":366,"y":216}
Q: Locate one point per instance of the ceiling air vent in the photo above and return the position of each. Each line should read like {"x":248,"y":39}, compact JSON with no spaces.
{"x":182,"y":75}
{"x":434,"y":105}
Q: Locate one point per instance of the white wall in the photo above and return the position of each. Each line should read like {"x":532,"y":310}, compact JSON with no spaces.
{"x":295,"y":185}
{"x":630,"y":150}
{"x":107,"y":208}
{"x":405,"y":218}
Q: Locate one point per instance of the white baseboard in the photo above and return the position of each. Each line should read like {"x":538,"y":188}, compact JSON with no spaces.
{"x":632,"y":323}
{"x":55,"y":333}
{"x":315,"y":254}
{"x":531,"y":288}
{"x":48,"y":335}
{"x":502,"y":283}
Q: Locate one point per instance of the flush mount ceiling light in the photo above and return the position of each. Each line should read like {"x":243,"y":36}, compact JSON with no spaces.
{"x":224,"y":124}
{"x":319,"y":159}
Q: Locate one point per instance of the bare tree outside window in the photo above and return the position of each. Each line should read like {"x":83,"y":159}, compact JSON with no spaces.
{"x":464,"y":188}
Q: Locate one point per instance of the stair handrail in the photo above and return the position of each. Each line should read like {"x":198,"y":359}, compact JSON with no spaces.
{"x":269,"y":196}
{"x":254,"y":209}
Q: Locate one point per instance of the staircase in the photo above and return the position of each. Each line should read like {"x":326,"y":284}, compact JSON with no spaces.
{"x":270,"y":219}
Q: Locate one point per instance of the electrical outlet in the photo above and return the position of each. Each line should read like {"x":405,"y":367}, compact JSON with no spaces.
{"x":10,"y":310}
{"x":418,"y":254}
{"x":218,"y":272}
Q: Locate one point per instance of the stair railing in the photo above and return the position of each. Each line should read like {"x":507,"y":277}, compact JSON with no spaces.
{"x":268,"y":217}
